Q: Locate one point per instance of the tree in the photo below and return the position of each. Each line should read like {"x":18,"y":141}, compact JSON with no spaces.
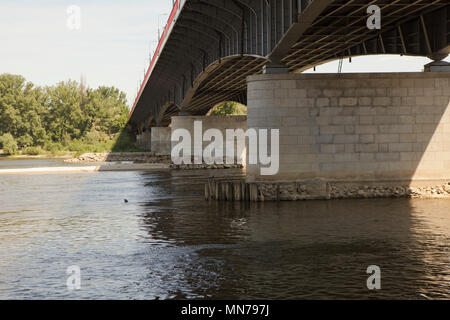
{"x":8,"y":144}
{"x":64,"y":114}
{"x":21,"y":108}
{"x":229,"y":108}
{"x":61,"y":114}
{"x":107,"y":109}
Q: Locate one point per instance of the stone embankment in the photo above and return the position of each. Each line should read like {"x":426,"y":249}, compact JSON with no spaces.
{"x":136,"y":157}
{"x":147,"y":157}
{"x":239,"y":190}
{"x":402,"y":191}
{"x":205,"y":166}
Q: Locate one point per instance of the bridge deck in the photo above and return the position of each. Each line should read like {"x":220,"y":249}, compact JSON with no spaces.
{"x":208,"y":48}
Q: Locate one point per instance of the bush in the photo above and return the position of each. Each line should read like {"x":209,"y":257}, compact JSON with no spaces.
{"x":92,"y":137}
{"x":25,"y":141}
{"x":8,"y":144}
{"x":80,"y":147}
{"x":33,"y":151}
{"x":53,"y":147}
{"x":77,"y":146}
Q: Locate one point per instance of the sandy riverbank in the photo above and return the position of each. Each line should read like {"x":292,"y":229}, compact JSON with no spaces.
{"x":86,"y":169}
{"x":41,"y":156}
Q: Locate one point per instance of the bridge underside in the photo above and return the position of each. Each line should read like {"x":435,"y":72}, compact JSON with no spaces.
{"x":214,"y":45}
{"x":418,"y":28}
{"x":225,"y":80}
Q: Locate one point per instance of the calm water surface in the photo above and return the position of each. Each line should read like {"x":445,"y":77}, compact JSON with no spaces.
{"x":168,"y":243}
{"x":35,"y":163}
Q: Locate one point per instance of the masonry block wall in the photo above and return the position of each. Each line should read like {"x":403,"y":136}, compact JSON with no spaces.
{"x":355,"y":126}
{"x":143,"y":140}
{"x":221,"y":123}
{"x":160,"y":140}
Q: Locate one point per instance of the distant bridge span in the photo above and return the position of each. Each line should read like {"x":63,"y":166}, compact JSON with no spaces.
{"x":209,"y":47}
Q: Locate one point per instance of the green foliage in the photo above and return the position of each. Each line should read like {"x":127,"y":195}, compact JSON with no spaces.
{"x":107,"y":109}
{"x":33,"y":151}
{"x":54,"y":148}
{"x":92,"y":137}
{"x":25,"y":140}
{"x":64,"y":117}
{"x":8,"y":144}
{"x":229,"y":108}
{"x":22,"y":110}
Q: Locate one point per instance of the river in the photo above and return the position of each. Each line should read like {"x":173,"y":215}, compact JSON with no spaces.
{"x":167,"y":242}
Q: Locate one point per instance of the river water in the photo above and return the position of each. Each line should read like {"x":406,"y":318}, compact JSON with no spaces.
{"x":169,"y":243}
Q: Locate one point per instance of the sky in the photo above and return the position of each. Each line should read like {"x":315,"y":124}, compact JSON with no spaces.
{"x":111,"y":47}
{"x":112,"y":44}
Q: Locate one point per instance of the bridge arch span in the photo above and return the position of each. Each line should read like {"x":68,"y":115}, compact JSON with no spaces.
{"x":222,"y":80}
{"x":205,"y":41}
{"x":306,"y":67}
{"x":167,"y":111}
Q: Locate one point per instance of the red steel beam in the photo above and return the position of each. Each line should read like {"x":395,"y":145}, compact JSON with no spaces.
{"x":165,"y":33}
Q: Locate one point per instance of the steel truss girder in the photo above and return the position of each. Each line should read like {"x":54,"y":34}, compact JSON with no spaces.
{"x":214,"y":44}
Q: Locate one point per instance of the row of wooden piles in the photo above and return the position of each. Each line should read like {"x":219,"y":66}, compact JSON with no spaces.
{"x":232,"y":190}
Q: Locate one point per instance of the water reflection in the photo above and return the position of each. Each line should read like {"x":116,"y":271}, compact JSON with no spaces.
{"x":169,"y":243}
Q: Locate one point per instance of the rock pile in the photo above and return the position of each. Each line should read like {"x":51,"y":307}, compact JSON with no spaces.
{"x":205,"y":166}
{"x":136,"y":157}
{"x":146,"y":157}
{"x":403,"y":191}
{"x":89,"y":157}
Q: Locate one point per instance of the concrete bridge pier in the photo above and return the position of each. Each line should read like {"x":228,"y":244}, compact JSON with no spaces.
{"x":160,"y":140}
{"x":353,"y":135}
{"x":203,"y":124}
{"x":143,"y":140}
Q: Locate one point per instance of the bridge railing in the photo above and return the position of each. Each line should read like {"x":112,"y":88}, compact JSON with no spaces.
{"x":177,"y":5}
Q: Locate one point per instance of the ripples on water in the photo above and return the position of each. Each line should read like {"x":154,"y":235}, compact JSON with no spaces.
{"x":168,"y":243}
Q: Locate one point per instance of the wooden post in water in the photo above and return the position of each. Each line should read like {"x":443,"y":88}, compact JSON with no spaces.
{"x":207,"y":194}
{"x":232,"y":190}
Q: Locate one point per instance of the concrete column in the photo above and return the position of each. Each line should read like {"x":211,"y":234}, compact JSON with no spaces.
{"x":354,"y":127}
{"x":160,"y":140}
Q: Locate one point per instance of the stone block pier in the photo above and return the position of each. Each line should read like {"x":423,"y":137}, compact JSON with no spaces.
{"x":351,"y":135}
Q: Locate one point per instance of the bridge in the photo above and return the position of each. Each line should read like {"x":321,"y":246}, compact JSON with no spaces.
{"x":335,"y":127}
{"x":209,"y":47}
